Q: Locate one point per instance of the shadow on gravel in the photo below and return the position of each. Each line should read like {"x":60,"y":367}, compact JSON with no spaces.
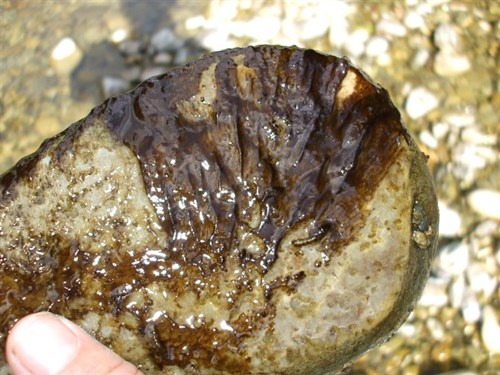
{"x":152,"y":48}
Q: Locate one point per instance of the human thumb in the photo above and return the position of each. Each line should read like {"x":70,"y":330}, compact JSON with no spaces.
{"x":46,"y":344}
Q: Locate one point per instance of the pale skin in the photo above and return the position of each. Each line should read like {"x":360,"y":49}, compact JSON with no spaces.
{"x":47,"y":344}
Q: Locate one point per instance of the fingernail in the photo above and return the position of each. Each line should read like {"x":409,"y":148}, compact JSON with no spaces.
{"x":43,"y":344}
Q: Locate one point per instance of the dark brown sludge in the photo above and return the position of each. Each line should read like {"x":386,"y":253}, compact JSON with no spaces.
{"x":250,"y":212}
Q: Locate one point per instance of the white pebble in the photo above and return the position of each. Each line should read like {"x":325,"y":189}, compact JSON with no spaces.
{"x":407,"y":330}
{"x":460,"y":119}
{"x":65,"y":48}
{"x":391,"y":27}
{"x":428,"y":139}
{"x":453,"y":258}
{"x":163,"y":58}
{"x":471,"y":310}
{"x":165,"y":40}
{"x":413,"y":20}
{"x":451,"y":64}
{"x":355,"y":43}
{"x":457,"y":291}
{"x":475,"y":136}
{"x":195,"y":22}
{"x":469,"y":158}
{"x":486,"y":228}
{"x":313,"y":28}
{"x":376,"y":46}
{"x":490,"y":330}
{"x":435,"y":328}
{"x":384,"y":59}
{"x":440,"y":130}
{"x":119,"y":35}
{"x":421,"y":58}
{"x":66,"y":56}
{"x":450,"y":221}
{"x":434,"y":293}
{"x":480,"y":280}
{"x":216,"y":39}
{"x":419,"y":102}
{"x":485,"y":202}
{"x":263,"y":29}
{"x":484,"y":26}
{"x":446,"y":37}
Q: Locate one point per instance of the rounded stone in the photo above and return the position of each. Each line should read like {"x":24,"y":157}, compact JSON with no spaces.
{"x":419,"y":102}
{"x":65,"y":56}
{"x":260,"y":210}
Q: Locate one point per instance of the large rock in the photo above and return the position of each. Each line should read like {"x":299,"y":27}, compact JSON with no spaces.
{"x":261,"y":210}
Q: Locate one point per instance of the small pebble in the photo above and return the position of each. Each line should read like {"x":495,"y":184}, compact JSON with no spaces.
{"x":384,"y":59}
{"x":460,"y":119}
{"x":165,"y":40}
{"x":487,"y":228}
{"x":163,"y":58}
{"x":391,"y":27}
{"x":471,"y":310}
{"x":112,"y":86}
{"x":355,"y":42}
{"x":65,"y":48}
{"x":485,"y":202}
{"x":428,"y":139}
{"x":434,"y":293}
{"x":419,"y":102}
{"x":450,"y":221}
{"x":469,"y":158}
{"x":480,"y":281}
{"x":446,"y":37}
{"x":435,"y":328}
{"x":453,"y":258}
{"x":119,"y":35}
{"x":216,"y":40}
{"x":407,"y":329}
{"x":420,"y":58}
{"x":66,"y":56}
{"x":451,"y":64}
{"x":263,"y":29}
{"x":195,"y":22}
{"x":376,"y":46}
{"x":490,"y":330}
{"x":457,"y":290}
{"x":440,"y":130}
{"x":413,"y":20}
{"x":474,"y":135}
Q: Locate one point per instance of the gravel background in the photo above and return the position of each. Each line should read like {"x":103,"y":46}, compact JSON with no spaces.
{"x":438,"y":59}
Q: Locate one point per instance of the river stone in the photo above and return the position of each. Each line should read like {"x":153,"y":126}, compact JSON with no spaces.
{"x":260,"y":210}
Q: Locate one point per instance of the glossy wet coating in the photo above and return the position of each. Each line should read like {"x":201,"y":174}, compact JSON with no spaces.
{"x":235,"y":153}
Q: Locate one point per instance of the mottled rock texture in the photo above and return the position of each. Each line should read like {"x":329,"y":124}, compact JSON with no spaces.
{"x":261,"y":210}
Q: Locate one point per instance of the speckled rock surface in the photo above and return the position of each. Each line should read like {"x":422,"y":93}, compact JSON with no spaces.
{"x":261,"y":210}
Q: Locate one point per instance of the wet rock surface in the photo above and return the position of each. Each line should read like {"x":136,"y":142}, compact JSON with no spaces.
{"x":460,"y":135}
{"x":261,"y":210}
